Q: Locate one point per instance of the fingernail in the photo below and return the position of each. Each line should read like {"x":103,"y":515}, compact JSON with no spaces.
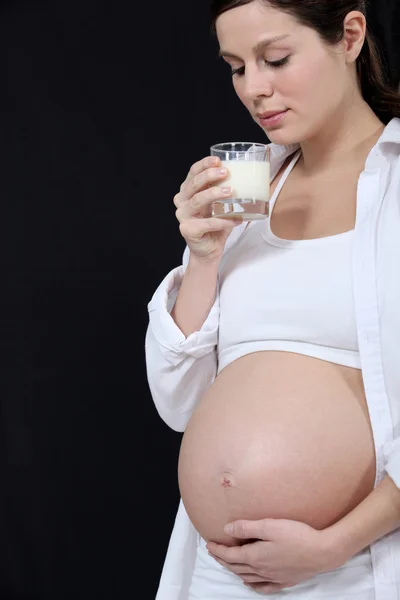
{"x":228,"y":528}
{"x":222,"y":171}
{"x":226,"y":190}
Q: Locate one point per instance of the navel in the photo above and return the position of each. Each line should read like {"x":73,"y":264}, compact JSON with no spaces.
{"x":227,"y":480}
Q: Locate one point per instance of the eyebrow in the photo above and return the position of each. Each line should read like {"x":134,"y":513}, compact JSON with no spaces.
{"x":258,"y":47}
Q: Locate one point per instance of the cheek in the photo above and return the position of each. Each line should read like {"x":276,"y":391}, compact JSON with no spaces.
{"x":310,"y":87}
{"x":239,"y":92}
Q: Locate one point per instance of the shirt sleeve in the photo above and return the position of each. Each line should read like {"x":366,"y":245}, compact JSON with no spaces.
{"x":179,"y":368}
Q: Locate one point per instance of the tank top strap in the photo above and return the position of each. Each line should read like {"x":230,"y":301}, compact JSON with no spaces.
{"x":282,"y":180}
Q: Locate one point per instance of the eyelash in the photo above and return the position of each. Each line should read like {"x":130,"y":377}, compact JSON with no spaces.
{"x":274,"y":65}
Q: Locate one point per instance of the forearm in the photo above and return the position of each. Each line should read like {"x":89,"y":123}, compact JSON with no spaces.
{"x":196,"y":296}
{"x":376,"y":516}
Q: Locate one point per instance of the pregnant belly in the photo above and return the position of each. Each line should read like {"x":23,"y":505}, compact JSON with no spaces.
{"x":277,"y":435}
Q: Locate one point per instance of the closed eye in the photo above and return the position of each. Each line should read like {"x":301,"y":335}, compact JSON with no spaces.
{"x":239,"y":71}
{"x":273,"y":64}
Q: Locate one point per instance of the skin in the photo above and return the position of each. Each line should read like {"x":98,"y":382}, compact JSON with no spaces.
{"x":334,"y":125}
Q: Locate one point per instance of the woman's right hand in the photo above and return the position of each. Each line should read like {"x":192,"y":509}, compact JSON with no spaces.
{"x":205,"y":235}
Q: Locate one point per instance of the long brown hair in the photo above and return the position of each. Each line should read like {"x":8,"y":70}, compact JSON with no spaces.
{"x":327,"y":18}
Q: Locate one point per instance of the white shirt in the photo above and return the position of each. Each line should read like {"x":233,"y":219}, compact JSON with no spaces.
{"x":180,"y":369}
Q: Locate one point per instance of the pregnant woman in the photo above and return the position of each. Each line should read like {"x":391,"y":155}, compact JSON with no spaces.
{"x":275,"y":346}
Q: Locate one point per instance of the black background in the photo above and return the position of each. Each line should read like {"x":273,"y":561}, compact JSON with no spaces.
{"x":104,"y":107}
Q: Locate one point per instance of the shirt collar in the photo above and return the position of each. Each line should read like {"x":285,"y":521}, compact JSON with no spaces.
{"x":391,"y":133}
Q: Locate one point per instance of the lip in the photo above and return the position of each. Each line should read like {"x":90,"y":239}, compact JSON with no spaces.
{"x":271,"y":117}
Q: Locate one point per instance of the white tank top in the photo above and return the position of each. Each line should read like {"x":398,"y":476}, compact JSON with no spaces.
{"x":288,"y":295}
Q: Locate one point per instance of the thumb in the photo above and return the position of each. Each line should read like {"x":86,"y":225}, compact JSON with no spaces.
{"x":249,"y":529}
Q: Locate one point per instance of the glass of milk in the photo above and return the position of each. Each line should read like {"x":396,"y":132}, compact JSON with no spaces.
{"x":248,"y":165}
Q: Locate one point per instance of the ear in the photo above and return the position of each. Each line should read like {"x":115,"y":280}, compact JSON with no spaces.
{"x":355,"y":29}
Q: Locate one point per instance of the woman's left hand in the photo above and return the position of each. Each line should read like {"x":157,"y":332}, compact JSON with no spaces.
{"x":284,"y":554}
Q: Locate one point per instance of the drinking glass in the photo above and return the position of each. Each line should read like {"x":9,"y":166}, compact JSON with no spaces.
{"x":248,"y":165}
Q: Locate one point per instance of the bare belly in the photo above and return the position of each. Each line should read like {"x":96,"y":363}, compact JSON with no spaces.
{"x":277,"y":435}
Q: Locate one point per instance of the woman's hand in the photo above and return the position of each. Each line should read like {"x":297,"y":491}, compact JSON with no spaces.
{"x":205,"y":235}
{"x":285,"y":554}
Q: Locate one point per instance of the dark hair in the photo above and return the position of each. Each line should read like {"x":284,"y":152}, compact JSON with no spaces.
{"x":327,"y":18}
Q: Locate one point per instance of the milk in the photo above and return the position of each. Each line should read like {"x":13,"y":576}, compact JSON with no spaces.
{"x":249,"y":179}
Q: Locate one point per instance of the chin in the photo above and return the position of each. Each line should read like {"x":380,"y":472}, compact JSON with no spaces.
{"x":289,"y":133}
{"x":282,"y":136}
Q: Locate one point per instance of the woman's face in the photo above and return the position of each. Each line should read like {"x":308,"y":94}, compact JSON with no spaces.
{"x":297,"y":74}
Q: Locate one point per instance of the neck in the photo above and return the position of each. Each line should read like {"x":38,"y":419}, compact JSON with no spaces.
{"x":343,"y":139}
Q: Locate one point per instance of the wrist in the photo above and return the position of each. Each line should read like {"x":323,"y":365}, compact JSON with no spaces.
{"x":207,"y":265}
{"x":338,"y":545}
{"x":376,"y":516}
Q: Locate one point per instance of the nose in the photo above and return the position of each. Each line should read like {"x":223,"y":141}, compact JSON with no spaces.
{"x":257,"y":84}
